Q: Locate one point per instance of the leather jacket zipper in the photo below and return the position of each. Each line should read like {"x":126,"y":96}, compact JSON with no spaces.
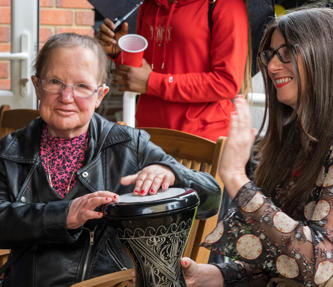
{"x":91,"y":243}
{"x":116,"y":259}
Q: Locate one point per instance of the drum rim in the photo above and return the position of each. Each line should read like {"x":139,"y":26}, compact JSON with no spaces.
{"x":188,"y":199}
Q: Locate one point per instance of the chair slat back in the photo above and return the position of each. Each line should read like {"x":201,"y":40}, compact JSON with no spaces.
{"x":116,"y":279}
{"x":4,"y":254}
{"x":11,"y":120}
{"x":199,"y":154}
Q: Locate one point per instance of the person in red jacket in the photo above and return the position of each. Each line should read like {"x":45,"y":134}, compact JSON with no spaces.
{"x":190,"y":72}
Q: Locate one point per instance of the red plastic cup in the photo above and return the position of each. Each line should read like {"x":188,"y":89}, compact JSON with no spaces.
{"x":133,"y":47}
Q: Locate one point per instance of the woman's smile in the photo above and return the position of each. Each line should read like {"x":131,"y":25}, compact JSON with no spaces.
{"x":282,"y":81}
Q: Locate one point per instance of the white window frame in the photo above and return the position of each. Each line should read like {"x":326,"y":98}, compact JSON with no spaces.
{"x":24,"y":47}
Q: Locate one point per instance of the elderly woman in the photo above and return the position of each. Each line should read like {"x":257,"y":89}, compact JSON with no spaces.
{"x":57,"y":172}
{"x":280,"y":229}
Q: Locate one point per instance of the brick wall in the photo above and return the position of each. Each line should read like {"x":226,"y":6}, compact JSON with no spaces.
{"x":56,"y":16}
{"x":4,"y":42}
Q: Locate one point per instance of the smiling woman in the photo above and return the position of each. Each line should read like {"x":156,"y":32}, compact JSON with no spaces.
{"x":52,"y":193}
{"x":279,"y":229}
{"x":280,"y":69}
{"x":66,"y":112}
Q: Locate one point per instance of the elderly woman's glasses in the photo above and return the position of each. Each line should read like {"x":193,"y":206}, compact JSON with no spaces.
{"x":80,"y":90}
{"x":283,"y":54}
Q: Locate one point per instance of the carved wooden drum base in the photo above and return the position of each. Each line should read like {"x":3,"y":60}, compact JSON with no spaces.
{"x":155,"y":231}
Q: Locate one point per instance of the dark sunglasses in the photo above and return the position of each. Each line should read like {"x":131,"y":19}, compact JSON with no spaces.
{"x":283,"y":53}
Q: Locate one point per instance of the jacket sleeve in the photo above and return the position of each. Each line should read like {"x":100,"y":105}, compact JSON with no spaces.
{"x":229,"y":42}
{"x":203,"y":183}
{"x":23,"y":224}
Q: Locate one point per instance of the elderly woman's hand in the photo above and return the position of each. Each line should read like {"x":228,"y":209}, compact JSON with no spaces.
{"x":201,"y":274}
{"x":134,"y":79}
{"x":150,"y":179}
{"x":83,"y":208}
{"x":237,"y":149}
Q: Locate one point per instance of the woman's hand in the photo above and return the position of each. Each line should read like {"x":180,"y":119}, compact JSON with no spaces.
{"x":201,"y":274}
{"x":134,"y":79}
{"x":150,"y":179}
{"x":237,"y":149}
{"x":83,"y":208}
{"x":108,"y":39}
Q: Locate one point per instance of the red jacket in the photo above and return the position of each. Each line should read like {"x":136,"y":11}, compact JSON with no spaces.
{"x":196,"y":72}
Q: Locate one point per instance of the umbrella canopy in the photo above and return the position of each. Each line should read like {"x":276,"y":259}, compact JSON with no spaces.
{"x":116,"y":9}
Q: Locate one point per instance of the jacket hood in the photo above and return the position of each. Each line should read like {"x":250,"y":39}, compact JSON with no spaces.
{"x":172,"y":6}
{"x":165,"y":3}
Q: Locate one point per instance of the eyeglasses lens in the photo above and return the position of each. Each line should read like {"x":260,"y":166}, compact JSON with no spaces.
{"x":282,"y":53}
{"x":80,"y":90}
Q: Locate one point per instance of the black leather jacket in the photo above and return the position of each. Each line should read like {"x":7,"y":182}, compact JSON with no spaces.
{"x":33,"y":216}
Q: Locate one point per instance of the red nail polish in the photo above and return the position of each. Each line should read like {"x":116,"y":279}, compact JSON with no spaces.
{"x":115,"y":196}
{"x":142,"y":191}
{"x":152,"y":191}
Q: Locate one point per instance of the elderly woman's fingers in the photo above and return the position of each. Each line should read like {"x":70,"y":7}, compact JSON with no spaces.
{"x":83,"y":208}
{"x":150,"y":179}
{"x":152,"y":184}
{"x":130,"y":179}
{"x":158,"y":177}
{"x":155,"y":184}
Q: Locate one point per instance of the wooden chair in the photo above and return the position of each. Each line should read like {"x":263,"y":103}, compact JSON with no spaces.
{"x":116,"y":279}
{"x":196,"y":153}
{"x":199,"y":154}
{"x":11,"y":120}
{"x":4,"y":254}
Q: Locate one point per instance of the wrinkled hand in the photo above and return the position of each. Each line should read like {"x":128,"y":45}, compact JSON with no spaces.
{"x":237,"y":149}
{"x":108,"y":39}
{"x":82,"y":208}
{"x":201,"y":274}
{"x":133,"y":79}
{"x":150,"y":179}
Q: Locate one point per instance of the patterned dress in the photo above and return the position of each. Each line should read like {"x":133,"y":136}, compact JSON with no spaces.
{"x":262,"y":239}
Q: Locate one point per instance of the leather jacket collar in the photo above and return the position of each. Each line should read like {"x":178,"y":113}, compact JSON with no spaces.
{"x":23,"y":145}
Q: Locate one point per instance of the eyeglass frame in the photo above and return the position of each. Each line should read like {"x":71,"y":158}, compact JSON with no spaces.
{"x":64,"y":86}
{"x":274,"y":52}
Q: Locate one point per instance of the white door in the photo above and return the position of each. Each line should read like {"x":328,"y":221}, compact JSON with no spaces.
{"x":24,"y":47}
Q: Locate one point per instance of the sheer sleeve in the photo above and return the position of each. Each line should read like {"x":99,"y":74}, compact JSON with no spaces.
{"x":256,"y":231}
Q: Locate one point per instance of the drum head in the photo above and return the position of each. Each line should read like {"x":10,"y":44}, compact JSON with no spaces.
{"x":172,"y":199}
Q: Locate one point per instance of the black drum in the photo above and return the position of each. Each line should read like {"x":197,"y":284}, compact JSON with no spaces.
{"x":154,"y":229}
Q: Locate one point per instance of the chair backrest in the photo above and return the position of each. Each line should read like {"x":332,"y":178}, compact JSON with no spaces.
{"x":4,"y":254}
{"x":116,"y":279}
{"x":199,"y":154}
{"x":11,"y":120}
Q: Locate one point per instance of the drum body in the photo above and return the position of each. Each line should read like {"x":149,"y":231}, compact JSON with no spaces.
{"x":154,"y":229}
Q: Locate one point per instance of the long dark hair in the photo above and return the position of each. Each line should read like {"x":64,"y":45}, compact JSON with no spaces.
{"x":299,"y":139}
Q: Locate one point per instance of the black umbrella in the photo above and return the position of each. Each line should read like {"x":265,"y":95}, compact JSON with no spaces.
{"x":115,"y":9}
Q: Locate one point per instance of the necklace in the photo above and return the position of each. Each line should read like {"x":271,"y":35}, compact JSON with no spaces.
{"x":75,"y":169}
{"x":71,"y":178}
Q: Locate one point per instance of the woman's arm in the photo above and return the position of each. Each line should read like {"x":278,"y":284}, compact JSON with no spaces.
{"x":261,"y":233}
